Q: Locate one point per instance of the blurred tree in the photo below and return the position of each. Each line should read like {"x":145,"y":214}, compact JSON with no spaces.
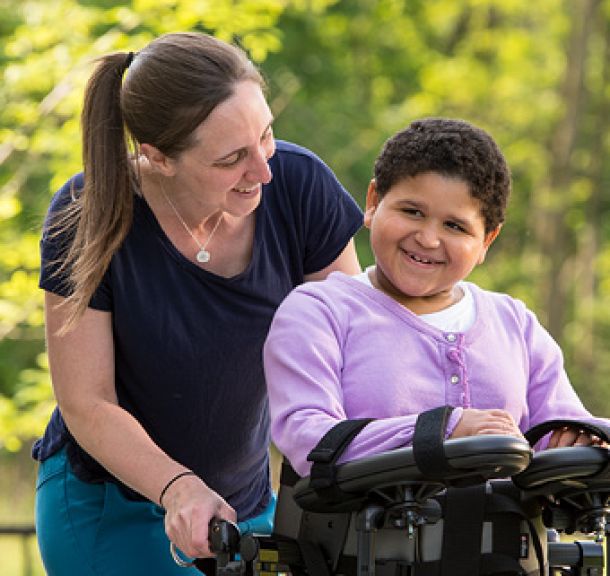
{"x":344,"y":76}
{"x":534,"y":74}
{"x":580,"y":279}
{"x":47,"y":48}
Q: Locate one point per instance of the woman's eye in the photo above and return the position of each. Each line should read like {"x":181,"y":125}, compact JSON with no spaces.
{"x":231,"y":160}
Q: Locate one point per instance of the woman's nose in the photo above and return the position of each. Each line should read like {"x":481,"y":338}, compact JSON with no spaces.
{"x":259,"y":170}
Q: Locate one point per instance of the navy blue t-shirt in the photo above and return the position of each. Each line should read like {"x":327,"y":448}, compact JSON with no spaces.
{"x":188,"y":343}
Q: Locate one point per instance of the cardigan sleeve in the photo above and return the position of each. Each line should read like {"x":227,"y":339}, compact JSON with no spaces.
{"x":304,"y":361}
{"x":550,"y":393}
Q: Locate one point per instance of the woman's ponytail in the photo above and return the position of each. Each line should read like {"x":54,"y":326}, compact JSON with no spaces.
{"x":101,"y":213}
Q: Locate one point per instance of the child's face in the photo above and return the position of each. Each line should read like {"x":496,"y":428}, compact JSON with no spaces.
{"x":427,"y":233}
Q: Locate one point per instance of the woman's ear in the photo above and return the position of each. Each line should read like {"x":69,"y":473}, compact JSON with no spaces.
{"x":157,"y":160}
{"x":488,"y":241}
{"x":372,"y":201}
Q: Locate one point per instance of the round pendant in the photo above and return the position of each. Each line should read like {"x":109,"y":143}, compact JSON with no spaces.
{"x":203,"y":256}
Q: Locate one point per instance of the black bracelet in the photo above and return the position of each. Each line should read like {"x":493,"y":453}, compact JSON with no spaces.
{"x":176,"y":477}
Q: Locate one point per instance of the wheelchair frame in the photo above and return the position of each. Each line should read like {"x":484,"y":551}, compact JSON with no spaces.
{"x":389,"y":494}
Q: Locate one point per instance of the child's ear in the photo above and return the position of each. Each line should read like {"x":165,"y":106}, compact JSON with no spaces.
{"x":372,"y":201}
{"x":488,"y":241}
{"x":158,"y":160}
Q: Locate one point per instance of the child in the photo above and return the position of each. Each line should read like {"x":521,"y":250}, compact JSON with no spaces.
{"x":410,"y":334}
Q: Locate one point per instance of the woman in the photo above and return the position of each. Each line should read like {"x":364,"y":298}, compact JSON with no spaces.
{"x":161,"y":273}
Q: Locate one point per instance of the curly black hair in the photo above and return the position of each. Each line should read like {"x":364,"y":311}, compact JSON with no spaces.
{"x":452,"y":148}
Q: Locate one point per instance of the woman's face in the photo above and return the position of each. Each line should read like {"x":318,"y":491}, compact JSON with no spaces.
{"x":227,"y":165}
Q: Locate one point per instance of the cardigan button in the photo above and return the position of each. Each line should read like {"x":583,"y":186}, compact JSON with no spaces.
{"x":454,"y":355}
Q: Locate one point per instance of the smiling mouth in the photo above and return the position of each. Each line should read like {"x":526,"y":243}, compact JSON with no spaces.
{"x":421,"y":260}
{"x":251,"y":190}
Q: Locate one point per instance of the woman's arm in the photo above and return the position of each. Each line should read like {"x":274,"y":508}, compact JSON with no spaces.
{"x":82,"y":372}
{"x":346,"y":262}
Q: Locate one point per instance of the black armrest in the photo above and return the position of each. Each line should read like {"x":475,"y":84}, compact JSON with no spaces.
{"x":560,"y":471}
{"x":471,"y":460}
{"x":575,"y":482}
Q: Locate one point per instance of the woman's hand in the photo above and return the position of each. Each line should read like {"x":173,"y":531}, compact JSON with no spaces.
{"x":475,"y":422}
{"x":190,"y":506}
{"x":568,"y":436}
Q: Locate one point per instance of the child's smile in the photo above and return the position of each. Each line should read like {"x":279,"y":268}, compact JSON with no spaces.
{"x":424,"y":261}
{"x":427,"y":234}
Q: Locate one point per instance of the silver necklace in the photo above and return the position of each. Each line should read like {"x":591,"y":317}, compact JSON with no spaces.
{"x":203,"y":255}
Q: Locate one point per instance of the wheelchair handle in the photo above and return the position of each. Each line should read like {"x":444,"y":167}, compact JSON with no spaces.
{"x":223,"y":536}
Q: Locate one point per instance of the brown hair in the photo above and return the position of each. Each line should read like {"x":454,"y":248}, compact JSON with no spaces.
{"x":171,"y":86}
{"x":455,"y":149}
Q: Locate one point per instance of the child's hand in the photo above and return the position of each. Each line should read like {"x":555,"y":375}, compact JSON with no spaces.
{"x":567,"y":436}
{"x":474,"y":422}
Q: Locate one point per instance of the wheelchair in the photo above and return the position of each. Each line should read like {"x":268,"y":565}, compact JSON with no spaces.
{"x":476,"y":506}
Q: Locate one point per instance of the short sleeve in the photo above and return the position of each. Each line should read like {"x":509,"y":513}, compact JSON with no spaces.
{"x":334,"y":218}
{"x":325,"y":214}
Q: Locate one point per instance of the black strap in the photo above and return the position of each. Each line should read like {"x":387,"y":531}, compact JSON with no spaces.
{"x":314,"y":560}
{"x":506,"y":527}
{"x":490,"y":565}
{"x":502,"y":504}
{"x":499,"y":564}
{"x":536,"y":432}
{"x":326,"y":453}
{"x":462,"y":530}
{"x":428,"y":440}
{"x":462,"y":509}
{"x":288,"y":475}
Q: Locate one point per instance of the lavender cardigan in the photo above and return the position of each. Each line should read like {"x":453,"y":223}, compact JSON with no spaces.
{"x":341,"y":349}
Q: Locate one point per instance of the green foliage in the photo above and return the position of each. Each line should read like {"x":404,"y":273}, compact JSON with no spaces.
{"x":346,"y":79}
{"x":46,"y":53}
{"x":343,"y":77}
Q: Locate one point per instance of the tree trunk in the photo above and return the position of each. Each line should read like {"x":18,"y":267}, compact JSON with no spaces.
{"x":554,"y":236}
{"x":586,"y":286}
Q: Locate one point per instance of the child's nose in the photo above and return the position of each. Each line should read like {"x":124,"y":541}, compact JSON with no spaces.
{"x":427,"y":237}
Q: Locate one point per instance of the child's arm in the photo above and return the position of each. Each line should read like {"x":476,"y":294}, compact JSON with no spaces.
{"x":574,"y":437}
{"x":474,"y":422}
{"x":550,"y":393}
{"x":304,"y":369}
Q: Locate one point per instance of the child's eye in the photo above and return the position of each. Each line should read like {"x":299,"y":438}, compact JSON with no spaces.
{"x":454,"y":226}
{"x":413,"y":212}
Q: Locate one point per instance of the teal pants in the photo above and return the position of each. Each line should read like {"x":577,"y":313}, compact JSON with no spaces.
{"x":89,"y":529}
